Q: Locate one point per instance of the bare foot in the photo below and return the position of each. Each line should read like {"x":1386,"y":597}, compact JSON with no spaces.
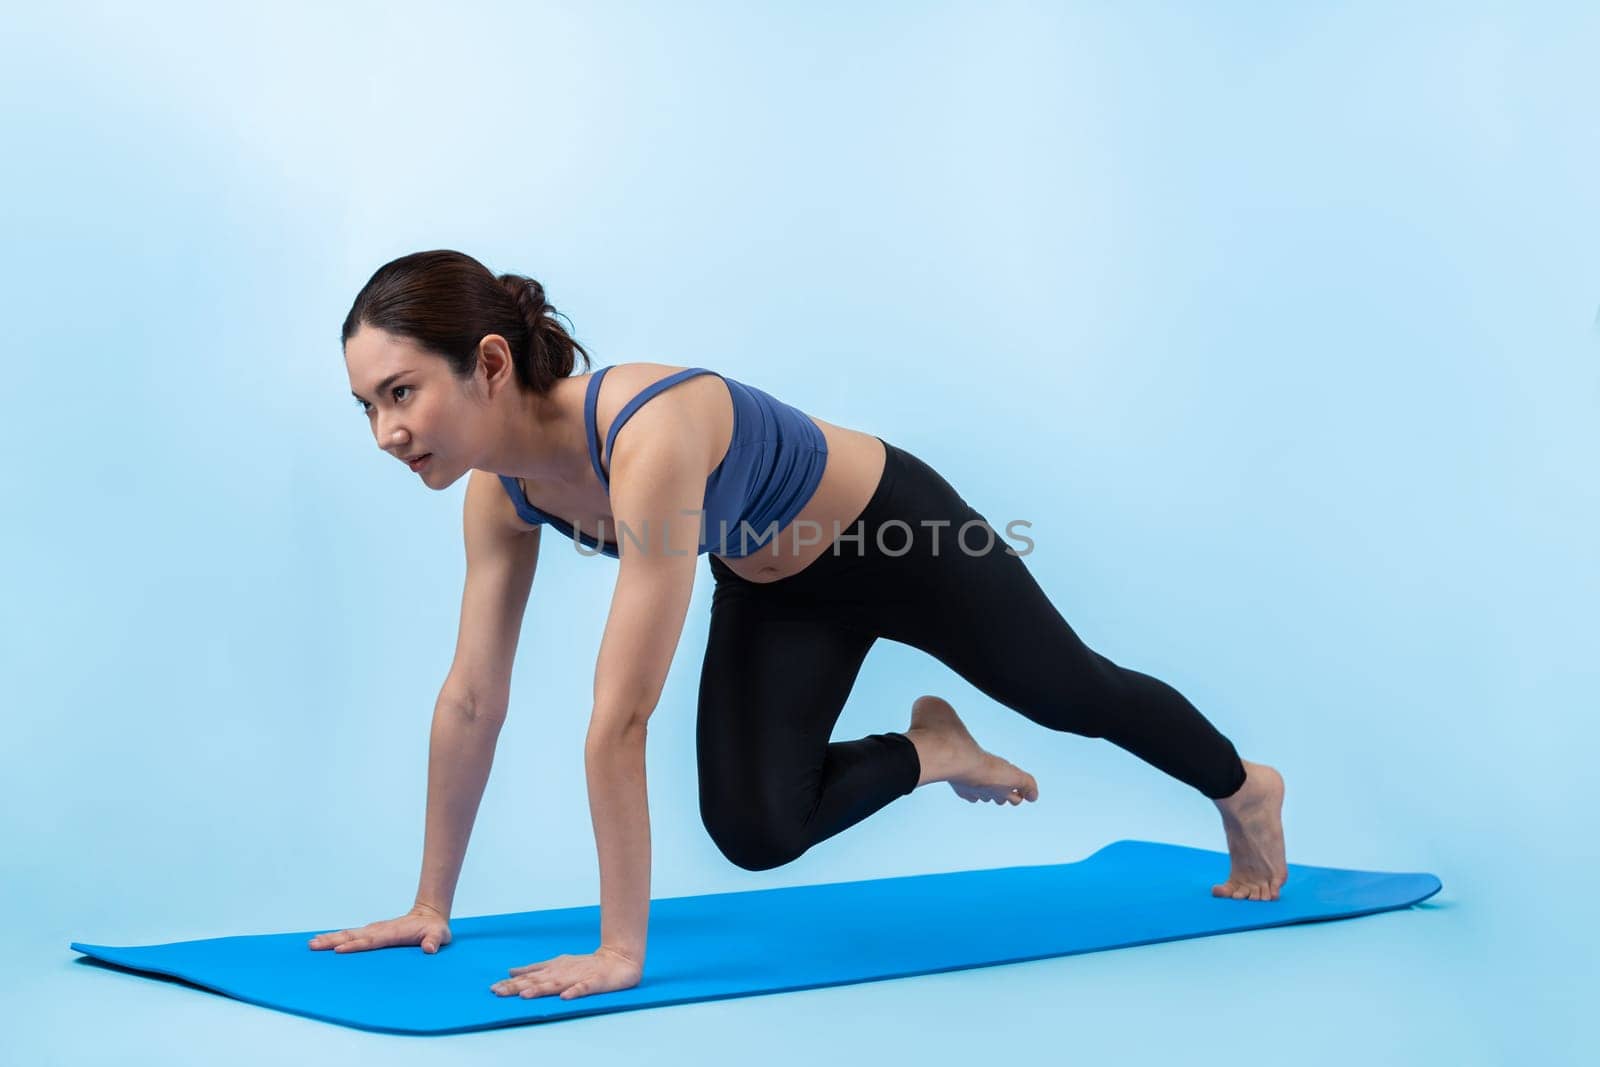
{"x":949,"y":754}
{"x":1253,"y":820}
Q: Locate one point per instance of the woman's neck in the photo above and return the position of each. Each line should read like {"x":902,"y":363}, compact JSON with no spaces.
{"x":548,"y":436}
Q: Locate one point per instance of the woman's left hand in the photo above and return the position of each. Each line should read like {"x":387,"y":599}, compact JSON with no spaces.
{"x":601,"y":971}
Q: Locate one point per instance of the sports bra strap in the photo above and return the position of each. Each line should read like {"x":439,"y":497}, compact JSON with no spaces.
{"x":589,"y":399}
{"x":625,"y":414}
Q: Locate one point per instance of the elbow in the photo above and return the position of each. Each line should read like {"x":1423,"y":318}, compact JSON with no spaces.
{"x":620,"y":713}
{"x":610,"y":730}
{"x":473,"y":709}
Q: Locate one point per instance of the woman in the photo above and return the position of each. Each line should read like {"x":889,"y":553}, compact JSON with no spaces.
{"x":821,"y":540}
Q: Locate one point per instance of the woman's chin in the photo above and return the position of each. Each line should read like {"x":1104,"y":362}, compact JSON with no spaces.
{"x":434,"y":476}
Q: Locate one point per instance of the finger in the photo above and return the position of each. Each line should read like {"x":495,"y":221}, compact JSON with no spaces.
{"x":520,"y":985}
{"x":564,"y":983}
{"x":355,"y":944}
{"x":532,"y":970}
{"x":577,"y":990}
{"x":523,"y":982}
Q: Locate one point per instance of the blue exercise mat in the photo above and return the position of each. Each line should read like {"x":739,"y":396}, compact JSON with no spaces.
{"x":773,"y":940}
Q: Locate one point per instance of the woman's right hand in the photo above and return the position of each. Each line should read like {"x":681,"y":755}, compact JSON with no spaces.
{"x":421,"y":925}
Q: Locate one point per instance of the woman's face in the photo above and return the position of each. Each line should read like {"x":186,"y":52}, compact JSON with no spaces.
{"x":415,"y":406}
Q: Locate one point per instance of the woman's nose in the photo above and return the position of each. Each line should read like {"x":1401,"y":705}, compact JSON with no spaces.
{"x":388,"y":439}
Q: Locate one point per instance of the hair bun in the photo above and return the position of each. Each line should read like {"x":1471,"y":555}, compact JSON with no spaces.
{"x":529,"y":295}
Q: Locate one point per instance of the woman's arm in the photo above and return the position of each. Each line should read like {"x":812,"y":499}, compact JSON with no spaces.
{"x":656,"y":496}
{"x":460,"y":753}
{"x":466,"y":719}
{"x":501,"y":559}
{"x":657,"y":492}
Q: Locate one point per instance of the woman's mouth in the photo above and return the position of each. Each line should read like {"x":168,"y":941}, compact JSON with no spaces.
{"x":418,"y":463}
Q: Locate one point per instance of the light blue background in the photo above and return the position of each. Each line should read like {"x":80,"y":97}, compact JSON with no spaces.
{"x":1279,"y":325}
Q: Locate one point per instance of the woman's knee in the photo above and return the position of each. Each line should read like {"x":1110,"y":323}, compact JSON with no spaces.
{"x":751,"y":841}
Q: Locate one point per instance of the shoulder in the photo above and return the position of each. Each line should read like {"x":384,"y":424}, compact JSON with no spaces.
{"x":692,"y":416}
{"x":488,"y":509}
{"x":624,"y":381}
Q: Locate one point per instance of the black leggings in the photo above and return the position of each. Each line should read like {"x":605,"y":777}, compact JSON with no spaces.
{"x":782,"y":656}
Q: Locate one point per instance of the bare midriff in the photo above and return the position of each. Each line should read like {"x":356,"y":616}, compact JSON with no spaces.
{"x":855,"y":463}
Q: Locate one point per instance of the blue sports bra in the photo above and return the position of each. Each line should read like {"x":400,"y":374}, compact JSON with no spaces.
{"x":773,"y":465}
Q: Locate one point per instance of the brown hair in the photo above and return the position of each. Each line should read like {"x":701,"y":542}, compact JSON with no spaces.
{"x":447,"y":302}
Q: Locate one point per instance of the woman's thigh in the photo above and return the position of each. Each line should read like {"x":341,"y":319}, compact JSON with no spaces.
{"x":967,"y":599}
{"x":960,"y":593}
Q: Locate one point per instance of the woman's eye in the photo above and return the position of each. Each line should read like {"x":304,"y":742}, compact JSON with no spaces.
{"x":367,"y":408}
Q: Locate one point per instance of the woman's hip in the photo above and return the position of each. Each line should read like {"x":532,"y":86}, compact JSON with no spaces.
{"x":915,"y":531}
